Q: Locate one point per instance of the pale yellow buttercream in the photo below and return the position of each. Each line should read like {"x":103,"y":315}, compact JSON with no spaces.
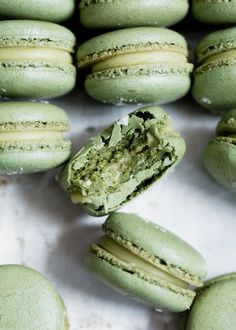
{"x":35,"y":53}
{"x":231,"y":54}
{"x":120,"y":252}
{"x":148,"y":57}
{"x":30,"y":135}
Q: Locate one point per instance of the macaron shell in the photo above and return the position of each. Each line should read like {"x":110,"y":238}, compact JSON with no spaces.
{"x":131,"y":285}
{"x":19,"y":114}
{"x":15,"y":33}
{"x":45,"y":10}
{"x":227,"y":124}
{"x":36,"y":79}
{"x":214,"y":307}
{"x":157,"y":241}
{"x":215,"y":12}
{"x":142,"y":84}
{"x":220,"y":161}
{"x":120,"y":13}
{"x":216,"y":43}
{"x":129,"y":40}
{"x":214,"y":87}
{"x":32,"y":156}
{"x":29,"y":301}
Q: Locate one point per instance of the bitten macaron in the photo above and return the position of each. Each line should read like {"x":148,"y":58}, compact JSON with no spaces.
{"x":122,"y":161}
{"x":215,"y":11}
{"x":214,"y":306}
{"x":31,"y":137}
{"x":138,"y":65}
{"x":29,"y":301}
{"x":145,"y":261}
{"x":220,"y":154}
{"x":44,"y":10}
{"x":215,"y":74}
{"x":133,"y":13}
{"x":35,"y":59}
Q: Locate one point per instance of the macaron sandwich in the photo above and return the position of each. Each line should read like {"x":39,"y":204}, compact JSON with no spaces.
{"x":214,"y":306}
{"x":220,"y":154}
{"x":35,"y":59}
{"x":215,"y":11}
{"x":44,"y":10}
{"x":145,"y":261}
{"x":215,"y":75}
{"x":31,"y":137}
{"x":139,"y":65}
{"x":29,"y":301}
{"x":122,"y":161}
{"x":133,"y":13}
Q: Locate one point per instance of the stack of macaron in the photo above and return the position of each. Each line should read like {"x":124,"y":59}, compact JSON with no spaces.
{"x":139,"y":61}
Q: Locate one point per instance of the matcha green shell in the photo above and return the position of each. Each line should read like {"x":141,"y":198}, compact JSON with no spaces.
{"x":220,"y":154}
{"x":122,"y":161}
{"x":133,"y":13}
{"x":31,"y":149}
{"x":155,"y":245}
{"x":215,"y":75}
{"x":29,"y":301}
{"x":214,"y":306}
{"x":144,"y":82}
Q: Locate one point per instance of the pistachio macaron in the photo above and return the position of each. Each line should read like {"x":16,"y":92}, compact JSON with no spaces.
{"x":133,"y":13}
{"x":215,"y":305}
{"x":138,"y":65}
{"x":145,"y":261}
{"x":35,"y":59}
{"x":220,"y":154}
{"x":44,"y":10}
{"x":215,"y":74}
{"x":122,"y":161}
{"x":215,"y":11}
{"x":29,"y":301}
{"x":31,"y":137}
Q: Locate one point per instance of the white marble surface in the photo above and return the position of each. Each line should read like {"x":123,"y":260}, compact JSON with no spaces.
{"x":40,"y":228}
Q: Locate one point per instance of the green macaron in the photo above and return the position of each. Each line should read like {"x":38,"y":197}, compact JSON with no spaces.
{"x":220,"y":154}
{"x":35,"y":59}
{"x":145,"y":261}
{"x":215,"y":75}
{"x":44,"y":10}
{"x":29,"y":301}
{"x":122,"y":161}
{"x":31,"y":137}
{"x":133,"y":13}
{"x":139,"y":65}
{"x":215,"y":11}
{"x":215,"y":305}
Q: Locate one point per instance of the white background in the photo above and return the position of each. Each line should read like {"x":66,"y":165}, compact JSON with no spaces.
{"x":40,"y":228}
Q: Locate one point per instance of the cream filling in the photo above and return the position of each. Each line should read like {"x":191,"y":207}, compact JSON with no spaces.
{"x":120,"y":252}
{"x":149,"y":57}
{"x":30,"y":135}
{"x":231,"y":54}
{"x":35,"y":53}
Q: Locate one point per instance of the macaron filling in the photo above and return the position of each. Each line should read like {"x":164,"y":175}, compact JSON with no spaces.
{"x":35,"y":54}
{"x":30,"y":135}
{"x":138,"y":58}
{"x":122,"y":169}
{"x":117,"y":250}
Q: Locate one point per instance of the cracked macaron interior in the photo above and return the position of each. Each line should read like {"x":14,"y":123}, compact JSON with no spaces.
{"x":123,"y":160}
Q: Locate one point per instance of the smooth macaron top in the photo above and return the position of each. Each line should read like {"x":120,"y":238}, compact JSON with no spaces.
{"x":216,"y":43}
{"x":214,"y":307}
{"x":227,"y":124}
{"x":26,"y":33}
{"x":31,"y":115}
{"x":45,"y":10}
{"x":29,"y":301}
{"x":129,"y":41}
{"x":158,"y":245}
